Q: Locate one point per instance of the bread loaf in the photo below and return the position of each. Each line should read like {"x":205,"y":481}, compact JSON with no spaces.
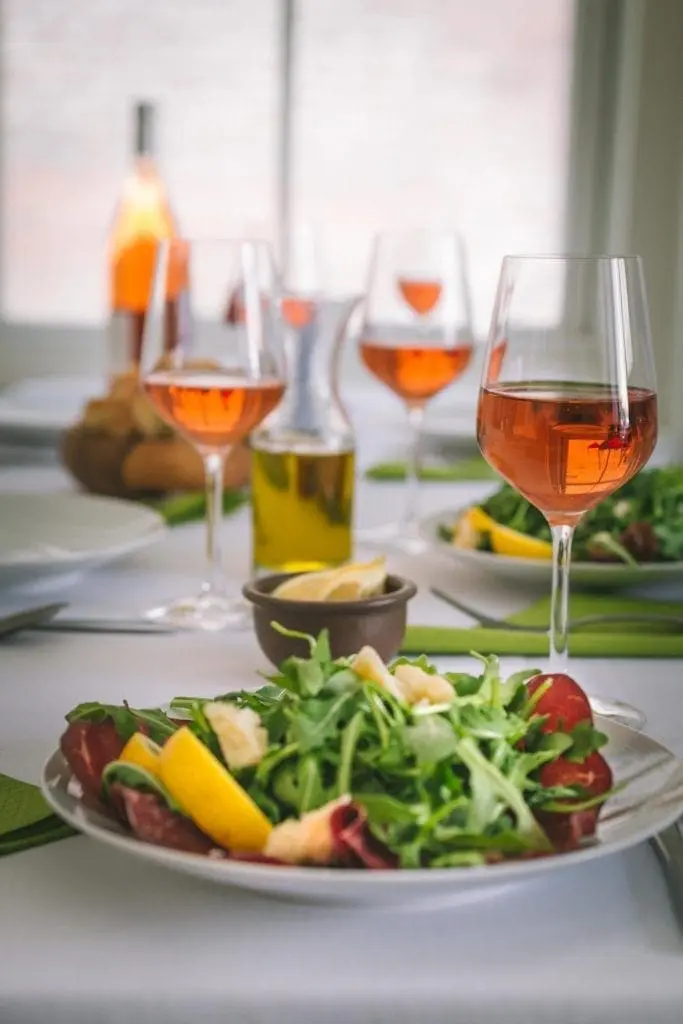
{"x":122,"y":448}
{"x":174,"y":465}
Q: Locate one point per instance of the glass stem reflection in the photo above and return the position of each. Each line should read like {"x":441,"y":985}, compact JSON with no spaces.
{"x":213,"y":467}
{"x":415,"y":420}
{"x":559,"y":602}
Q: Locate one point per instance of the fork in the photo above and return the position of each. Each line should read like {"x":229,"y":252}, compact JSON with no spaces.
{"x":583,"y":620}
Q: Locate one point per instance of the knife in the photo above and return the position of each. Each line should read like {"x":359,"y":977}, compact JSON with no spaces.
{"x":103,"y":626}
{"x":29,"y":619}
{"x":43,"y":618}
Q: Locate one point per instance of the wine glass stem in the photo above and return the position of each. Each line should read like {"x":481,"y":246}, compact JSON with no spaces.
{"x":559,"y":601}
{"x":415,"y":421}
{"x":213,"y":468}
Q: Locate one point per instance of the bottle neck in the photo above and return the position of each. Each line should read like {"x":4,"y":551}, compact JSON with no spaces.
{"x":143,"y":141}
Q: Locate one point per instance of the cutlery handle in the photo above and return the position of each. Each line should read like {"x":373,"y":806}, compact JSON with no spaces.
{"x":668,"y":847}
{"x":103,"y":626}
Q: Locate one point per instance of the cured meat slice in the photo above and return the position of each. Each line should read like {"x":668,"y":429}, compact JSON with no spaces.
{"x":354,"y":843}
{"x":88,"y":747}
{"x":565,"y":831}
{"x":153,"y":822}
{"x":593,"y":774}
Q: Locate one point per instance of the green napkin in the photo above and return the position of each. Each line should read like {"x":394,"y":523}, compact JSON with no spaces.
{"x":25,"y":818}
{"x":470,"y":469}
{"x":609,"y":640}
{"x":187,"y":508}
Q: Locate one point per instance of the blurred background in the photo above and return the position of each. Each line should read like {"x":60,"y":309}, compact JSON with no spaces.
{"x":529,"y":125}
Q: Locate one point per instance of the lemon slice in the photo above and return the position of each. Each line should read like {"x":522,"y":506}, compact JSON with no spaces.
{"x":505,"y":541}
{"x":348,"y":583}
{"x":309,"y":586}
{"x":358,"y":581}
{"x":143,"y":752}
{"x":209,"y":794}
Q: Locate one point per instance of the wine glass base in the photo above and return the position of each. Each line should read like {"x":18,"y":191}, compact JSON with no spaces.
{"x":618,"y":711}
{"x":401,"y":536}
{"x":203,"y":613}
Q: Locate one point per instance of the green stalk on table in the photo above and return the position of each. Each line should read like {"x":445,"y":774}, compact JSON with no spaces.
{"x":191,"y":506}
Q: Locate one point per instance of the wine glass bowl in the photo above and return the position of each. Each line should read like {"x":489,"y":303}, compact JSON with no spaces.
{"x":416,"y":337}
{"x":212,"y":368}
{"x":567,"y":408}
{"x":566,"y":445}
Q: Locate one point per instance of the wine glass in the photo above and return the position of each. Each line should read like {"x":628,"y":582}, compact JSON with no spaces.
{"x":568,"y":407}
{"x":211,"y":366}
{"x":416,"y":338}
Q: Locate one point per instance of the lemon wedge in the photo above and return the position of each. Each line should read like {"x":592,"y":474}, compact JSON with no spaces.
{"x":505,"y":541}
{"x":209,"y":794}
{"x":308,"y":586}
{"x":143,"y":752}
{"x":349,"y":583}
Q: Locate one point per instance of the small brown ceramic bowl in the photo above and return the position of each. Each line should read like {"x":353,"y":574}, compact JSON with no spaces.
{"x":378,"y":621}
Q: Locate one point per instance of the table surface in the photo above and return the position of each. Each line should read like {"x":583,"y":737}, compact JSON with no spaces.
{"x":94,"y":937}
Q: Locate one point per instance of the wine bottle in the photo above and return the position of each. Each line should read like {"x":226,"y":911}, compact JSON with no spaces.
{"x":143,"y":218}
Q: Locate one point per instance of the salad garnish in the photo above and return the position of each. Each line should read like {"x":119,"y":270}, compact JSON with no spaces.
{"x":640,"y":522}
{"x":350,"y":762}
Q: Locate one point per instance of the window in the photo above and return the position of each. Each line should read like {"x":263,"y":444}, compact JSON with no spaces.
{"x":72,"y":70}
{"x":402,"y":111}
{"x":422,"y":111}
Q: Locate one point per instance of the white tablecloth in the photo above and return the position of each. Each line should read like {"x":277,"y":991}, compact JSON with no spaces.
{"x":90,"y":936}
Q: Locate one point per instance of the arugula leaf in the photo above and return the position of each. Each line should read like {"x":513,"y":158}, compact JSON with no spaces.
{"x":585,"y":740}
{"x":431,"y":739}
{"x":488,"y":723}
{"x":490,"y":689}
{"x":464,"y":684}
{"x":382,"y":809}
{"x":554,"y":743}
{"x":483,"y":772}
{"x":317,"y":721}
{"x":295,"y":634}
{"x":311,"y":790}
{"x":135,"y":777}
{"x":422,"y":662}
{"x":127,"y":720}
{"x":343,"y":679}
{"x":459,"y":859}
{"x":524,"y":764}
{"x":572,"y":806}
{"x":349,"y":742}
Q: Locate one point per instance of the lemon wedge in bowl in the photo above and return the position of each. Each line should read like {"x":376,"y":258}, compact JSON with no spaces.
{"x":505,"y":541}
{"x":143,"y":752}
{"x":209,"y":795}
{"x":353,"y":582}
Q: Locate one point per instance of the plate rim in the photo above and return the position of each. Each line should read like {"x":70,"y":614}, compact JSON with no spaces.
{"x":154,"y":528}
{"x":248,"y":875}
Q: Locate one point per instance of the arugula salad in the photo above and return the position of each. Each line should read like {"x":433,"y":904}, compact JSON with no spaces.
{"x":352,"y":763}
{"x":641,"y":522}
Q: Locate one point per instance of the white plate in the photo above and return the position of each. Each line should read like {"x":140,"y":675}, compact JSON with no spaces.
{"x":55,"y":538}
{"x":36,"y":411}
{"x":628,"y":752}
{"x":586,"y":575}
